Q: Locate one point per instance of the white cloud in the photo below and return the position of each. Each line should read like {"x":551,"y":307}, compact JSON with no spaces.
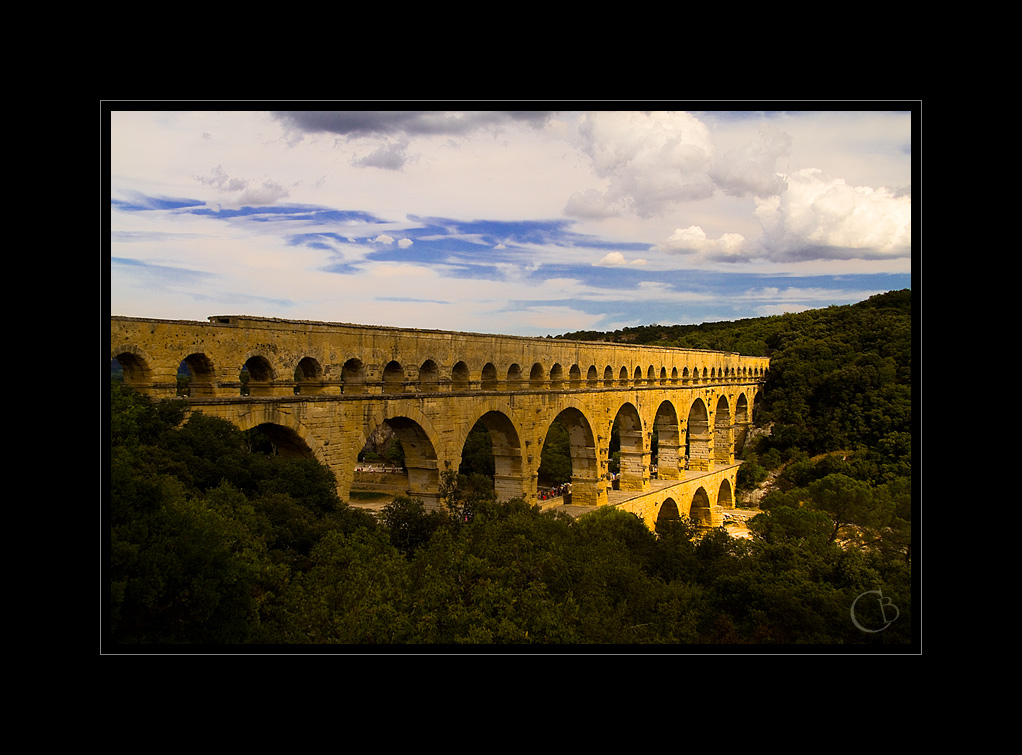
{"x":825,"y":218}
{"x":693,"y":241}
{"x":752,"y":169}
{"x":652,"y":161}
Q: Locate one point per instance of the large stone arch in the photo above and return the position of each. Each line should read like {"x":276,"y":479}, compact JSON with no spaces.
{"x":588,"y":487}
{"x":634,"y":450}
{"x":509,"y":474}
{"x":268,"y":417}
{"x":422,"y":449}
{"x":699,"y":437}
{"x":723,"y":437}
{"x":670,"y":442}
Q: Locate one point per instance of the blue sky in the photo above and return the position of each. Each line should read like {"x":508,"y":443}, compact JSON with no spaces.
{"x":520,"y":223}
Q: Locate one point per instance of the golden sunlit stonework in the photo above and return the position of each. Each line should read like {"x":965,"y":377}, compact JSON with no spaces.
{"x":323,"y":389}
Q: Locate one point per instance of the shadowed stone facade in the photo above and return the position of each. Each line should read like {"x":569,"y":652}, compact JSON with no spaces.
{"x":324,"y":388}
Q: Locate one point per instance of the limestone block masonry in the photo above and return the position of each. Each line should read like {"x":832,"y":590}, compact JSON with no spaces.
{"x":322,"y":389}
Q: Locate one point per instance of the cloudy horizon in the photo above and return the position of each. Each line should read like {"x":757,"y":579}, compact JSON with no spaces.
{"x":510,"y":222}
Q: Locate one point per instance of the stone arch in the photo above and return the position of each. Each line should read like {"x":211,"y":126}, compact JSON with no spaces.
{"x":308,"y":376}
{"x":536,"y":376}
{"x":587,"y":485}
{"x":622,"y":377}
{"x":575,"y":375}
{"x":460,"y":377}
{"x":723,"y":441}
{"x":699,"y":438}
{"x":514,"y":377}
{"x":608,"y":375}
{"x":429,"y":377}
{"x":135,"y":367}
{"x":508,"y":471}
{"x":651,"y":375}
{"x":556,"y":376}
{"x":203,"y":375}
{"x":419,"y":442}
{"x":700,"y":511}
{"x":592,"y":377}
{"x":489,"y":377}
{"x":637,"y":376}
{"x":742,"y":421}
{"x":634,"y":451}
{"x":670,"y":459}
{"x":353,"y":376}
{"x":393,"y":378}
{"x":288,"y":433}
{"x":667,"y":513}
{"x":725,"y":495}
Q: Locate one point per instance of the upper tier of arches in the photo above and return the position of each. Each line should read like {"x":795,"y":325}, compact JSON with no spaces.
{"x":226,"y":359}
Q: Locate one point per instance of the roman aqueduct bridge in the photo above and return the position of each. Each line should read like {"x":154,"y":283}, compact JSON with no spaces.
{"x":323,"y":389}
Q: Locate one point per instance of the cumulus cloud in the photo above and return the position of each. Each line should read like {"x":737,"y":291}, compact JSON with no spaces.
{"x":651,"y":161}
{"x":752,"y":169}
{"x":616,"y":259}
{"x":241,"y":192}
{"x":694,"y":241}
{"x":825,"y":218}
{"x":390,"y":156}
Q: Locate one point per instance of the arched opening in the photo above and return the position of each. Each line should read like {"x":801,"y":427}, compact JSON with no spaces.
{"x":196,"y":376}
{"x":393,"y":378}
{"x":725,"y":496}
{"x":308,"y":377}
{"x":608,"y":376}
{"x":638,"y":376}
{"x":634,"y":456}
{"x":489,"y":377}
{"x":514,"y":377}
{"x":556,"y":376}
{"x":570,"y":435}
{"x":459,"y":377}
{"x":575,"y":376}
{"x":622,"y":377}
{"x":429,"y":377}
{"x":131,"y":370}
{"x":670,"y":451}
{"x":592,"y":377}
{"x":536,"y":376}
{"x":420,"y":460}
{"x":699,"y":511}
{"x":256,"y":377}
{"x":723,"y":442}
{"x":666,"y":516}
{"x":277,"y":440}
{"x":741,"y":432}
{"x":353,"y":377}
{"x":698,"y":438}
{"x":493,"y":449}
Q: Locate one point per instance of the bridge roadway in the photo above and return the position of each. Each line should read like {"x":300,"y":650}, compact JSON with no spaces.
{"x":325,"y":389}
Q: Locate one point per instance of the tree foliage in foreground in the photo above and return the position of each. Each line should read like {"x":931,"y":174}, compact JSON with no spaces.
{"x":212,"y":542}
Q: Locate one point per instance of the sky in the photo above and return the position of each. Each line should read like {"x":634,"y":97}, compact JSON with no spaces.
{"x":528,"y":223}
